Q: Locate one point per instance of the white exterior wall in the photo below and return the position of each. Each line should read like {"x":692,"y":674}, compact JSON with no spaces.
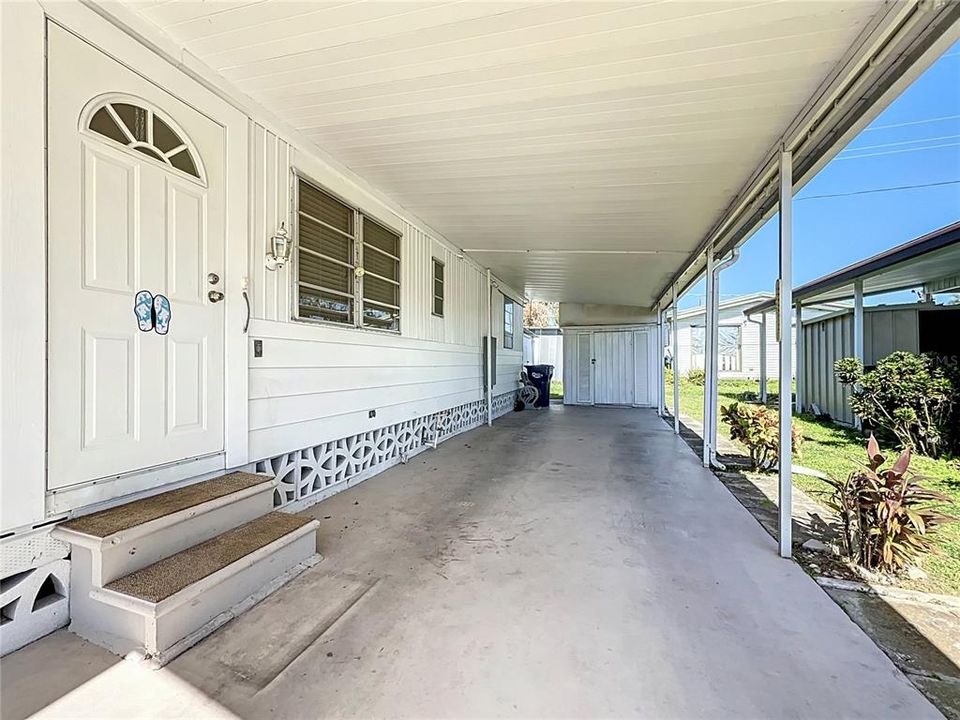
{"x":749,"y":346}
{"x":318,"y":382}
{"x":548,"y":350}
{"x":644,"y":364}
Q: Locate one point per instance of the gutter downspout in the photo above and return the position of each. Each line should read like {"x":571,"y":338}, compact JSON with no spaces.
{"x":714,"y":357}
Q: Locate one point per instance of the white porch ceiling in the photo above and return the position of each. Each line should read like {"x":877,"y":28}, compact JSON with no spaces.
{"x":588,"y":126}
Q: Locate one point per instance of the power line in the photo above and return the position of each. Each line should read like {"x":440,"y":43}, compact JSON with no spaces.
{"x":901,"y":142}
{"x":896,"y":152}
{"x":880,"y":190}
{"x":924,"y":121}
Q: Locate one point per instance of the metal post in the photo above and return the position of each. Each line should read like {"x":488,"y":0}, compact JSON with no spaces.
{"x":858,"y":331}
{"x":785,"y":310}
{"x":763,"y":358}
{"x":674,"y":332}
{"x":715,"y":364}
{"x":801,"y":360}
{"x":659,"y":373}
{"x":489,"y":350}
{"x":709,"y":343}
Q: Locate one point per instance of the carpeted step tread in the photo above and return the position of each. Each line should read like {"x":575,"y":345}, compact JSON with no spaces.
{"x":171,"y":575}
{"x":123,"y":517}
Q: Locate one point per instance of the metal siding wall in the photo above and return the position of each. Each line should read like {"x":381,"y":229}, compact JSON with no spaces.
{"x":826,"y":341}
{"x":886,"y":331}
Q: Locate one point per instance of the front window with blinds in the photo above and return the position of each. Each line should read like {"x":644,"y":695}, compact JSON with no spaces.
{"x":507,"y":323}
{"x":438,"y":287}
{"x":348,"y":265}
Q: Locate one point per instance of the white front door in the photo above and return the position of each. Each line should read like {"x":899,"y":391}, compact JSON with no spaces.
{"x":614,"y":369}
{"x":136,"y":203}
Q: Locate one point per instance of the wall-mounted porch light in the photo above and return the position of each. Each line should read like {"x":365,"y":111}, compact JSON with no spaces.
{"x":279,"y":248}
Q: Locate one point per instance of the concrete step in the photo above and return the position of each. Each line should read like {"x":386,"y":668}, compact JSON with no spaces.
{"x":112,"y":543}
{"x":164,"y":608}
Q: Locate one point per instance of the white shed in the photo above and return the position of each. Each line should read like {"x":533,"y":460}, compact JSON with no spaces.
{"x":610,"y":355}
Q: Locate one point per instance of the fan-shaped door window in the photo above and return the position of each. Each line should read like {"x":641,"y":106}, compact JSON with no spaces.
{"x":141,"y":129}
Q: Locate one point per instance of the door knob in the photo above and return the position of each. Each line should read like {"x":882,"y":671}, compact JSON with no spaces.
{"x":215,"y":296}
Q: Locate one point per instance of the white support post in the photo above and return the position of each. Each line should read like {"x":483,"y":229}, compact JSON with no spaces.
{"x":858,"y":331}
{"x":785,"y":310}
{"x":715,"y":367}
{"x":763,"y":358}
{"x":801,"y":360}
{"x":709,"y":342}
{"x":674,"y":333}
{"x":659,"y":373}
{"x":489,"y":350}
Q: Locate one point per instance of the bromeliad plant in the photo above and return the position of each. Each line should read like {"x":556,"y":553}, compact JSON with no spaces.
{"x":758,"y":428}
{"x":886,"y":514}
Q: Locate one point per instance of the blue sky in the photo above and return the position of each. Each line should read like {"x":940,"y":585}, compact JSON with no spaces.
{"x":915,"y":141}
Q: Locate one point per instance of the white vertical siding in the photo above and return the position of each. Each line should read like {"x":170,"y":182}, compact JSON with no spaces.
{"x":319,"y":382}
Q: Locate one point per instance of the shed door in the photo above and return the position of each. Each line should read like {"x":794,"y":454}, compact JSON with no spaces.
{"x":136,"y":203}
{"x":614,"y":368}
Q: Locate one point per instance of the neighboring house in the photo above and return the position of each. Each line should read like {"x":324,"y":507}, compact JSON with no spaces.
{"x":739,"y":339}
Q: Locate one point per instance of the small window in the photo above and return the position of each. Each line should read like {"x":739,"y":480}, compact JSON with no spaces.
{"x":325,"y":256}
{"x":381,"y":277}
{"x":139,"y":129}
{"x":507,"y":323}
{"x":345,"y":261}
{"x":437,"y":287}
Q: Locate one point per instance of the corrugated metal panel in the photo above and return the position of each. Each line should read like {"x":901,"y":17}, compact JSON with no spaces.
{"x":888,"y":330}
{"x":825,"y":342}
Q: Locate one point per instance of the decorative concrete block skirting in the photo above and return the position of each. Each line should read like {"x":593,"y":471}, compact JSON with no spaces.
{"x":35,"y":589}
{"x":314,"y":473}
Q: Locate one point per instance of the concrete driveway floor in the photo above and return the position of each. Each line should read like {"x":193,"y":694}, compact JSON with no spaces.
{"x":575,"y":562}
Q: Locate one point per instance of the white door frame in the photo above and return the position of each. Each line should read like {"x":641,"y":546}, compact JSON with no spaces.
{"x":128,"y":51}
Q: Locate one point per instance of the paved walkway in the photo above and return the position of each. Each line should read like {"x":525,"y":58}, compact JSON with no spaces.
{"x":575,"y":562}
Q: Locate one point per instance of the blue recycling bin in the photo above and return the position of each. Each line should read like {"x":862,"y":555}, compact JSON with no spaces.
{"x":540,"y":376}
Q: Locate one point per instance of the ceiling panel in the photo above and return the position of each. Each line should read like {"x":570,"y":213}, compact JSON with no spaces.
{"x":537,"y":126}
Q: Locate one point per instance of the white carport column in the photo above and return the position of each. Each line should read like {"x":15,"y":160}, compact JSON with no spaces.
{"x":674,"y":333}
{"x":784,"y":313}
{"x":763,"y":358}
{"x":709,"y":348}
{"x":489,"y":387}
{"x":659,"y":374}
{"x":858,"y":329}
{"x":801,"y":360}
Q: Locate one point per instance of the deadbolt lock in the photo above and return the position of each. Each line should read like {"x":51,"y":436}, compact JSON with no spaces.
{"x":213,"y":278}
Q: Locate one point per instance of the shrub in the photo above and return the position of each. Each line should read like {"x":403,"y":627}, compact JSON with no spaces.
{"x":758,"y":428}
{"x":912,"y":397}
{"x":886,"y":514}
{"x":697,"y":376}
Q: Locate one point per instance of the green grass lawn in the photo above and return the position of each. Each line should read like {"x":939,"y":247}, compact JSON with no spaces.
{"x":835,"y":450}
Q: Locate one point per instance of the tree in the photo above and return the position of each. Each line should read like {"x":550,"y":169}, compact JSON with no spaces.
{"x":538,"y":314}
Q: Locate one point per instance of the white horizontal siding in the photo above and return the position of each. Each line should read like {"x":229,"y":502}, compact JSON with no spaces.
{"x":319,"y":382}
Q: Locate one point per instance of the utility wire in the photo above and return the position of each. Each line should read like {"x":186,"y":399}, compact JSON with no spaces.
{"x":896,"y":152}
{"x":879,"y":190}
{"x":899,"y":143}
{"x":924,"y":121}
